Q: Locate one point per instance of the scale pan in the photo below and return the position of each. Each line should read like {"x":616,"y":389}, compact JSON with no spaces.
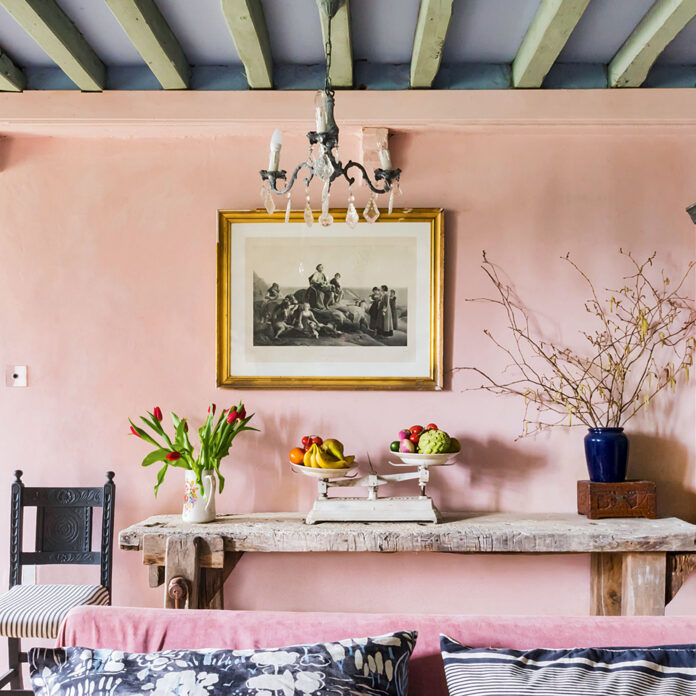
{"x":415,"y":459}
{"x":322,"y":473}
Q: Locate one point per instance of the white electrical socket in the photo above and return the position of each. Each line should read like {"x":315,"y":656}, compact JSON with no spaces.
{"x":16,"y":376}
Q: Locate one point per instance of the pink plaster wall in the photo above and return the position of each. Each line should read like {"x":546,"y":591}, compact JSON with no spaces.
{"x":107,"y":292}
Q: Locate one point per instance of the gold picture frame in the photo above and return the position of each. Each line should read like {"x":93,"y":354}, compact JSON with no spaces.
{"x":237,"y":333}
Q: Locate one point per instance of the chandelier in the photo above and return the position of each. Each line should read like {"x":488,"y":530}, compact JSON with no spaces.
{"x":323,"y":160}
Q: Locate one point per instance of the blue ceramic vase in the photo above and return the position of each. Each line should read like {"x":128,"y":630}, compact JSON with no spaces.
{"x":606,"y":451}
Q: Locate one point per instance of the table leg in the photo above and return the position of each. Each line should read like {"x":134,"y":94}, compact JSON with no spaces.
{"x":679,"y":567}
{"x":628,"y":584}
{"x":605,"y":584}
{"x":155,"y":574}
{"x":643,"y":584}
{"x":181,"y":562}
{"x":213,"y":582}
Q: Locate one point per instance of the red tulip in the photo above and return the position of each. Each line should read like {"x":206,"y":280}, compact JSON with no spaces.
{"x":185,"y":426}
{"x":211,"y":409}
{"x":173,"y":456}
{"x":157,"y":413}
{"x":231,"y":416}
{"x":134,"y":431}
{"x":242,"y":413}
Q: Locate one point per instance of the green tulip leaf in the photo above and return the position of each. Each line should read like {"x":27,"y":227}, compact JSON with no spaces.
{"x":153,"y":423}
{"x":159,"y":455}
{"x":179,"y":438}
{"x":160,"y":477}
{"x":188,"y":447}
{"x":143,"y":434}
{"x":221,"y":478}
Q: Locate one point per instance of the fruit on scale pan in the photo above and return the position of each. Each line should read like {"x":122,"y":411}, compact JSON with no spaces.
{"x":434,"y":442}
{"x":321,"y":454}
{"x":296,"y":455}
{"x":320,"y":458}
{"x":428,"y":440}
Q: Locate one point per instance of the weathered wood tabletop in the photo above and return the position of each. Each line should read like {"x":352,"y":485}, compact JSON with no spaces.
{"x":637,"y":564}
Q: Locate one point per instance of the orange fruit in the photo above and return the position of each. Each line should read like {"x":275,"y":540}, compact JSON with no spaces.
{"x":296,"y":455}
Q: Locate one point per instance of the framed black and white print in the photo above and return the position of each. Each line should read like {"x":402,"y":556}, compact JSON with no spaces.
{"x":330,"y":307}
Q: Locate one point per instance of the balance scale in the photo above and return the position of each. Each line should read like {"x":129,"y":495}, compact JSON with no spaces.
{"x":417,"y":508}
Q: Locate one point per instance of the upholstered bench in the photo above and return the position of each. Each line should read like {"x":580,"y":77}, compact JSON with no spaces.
{"x":148,"y":630}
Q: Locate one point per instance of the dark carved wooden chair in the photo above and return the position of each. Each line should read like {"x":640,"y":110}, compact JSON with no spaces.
{"x":63,"y":536}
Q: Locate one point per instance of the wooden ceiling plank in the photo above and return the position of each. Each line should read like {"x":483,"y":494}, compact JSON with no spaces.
{"x":11,"y":77}
{"x":431,"y":30}
{"x":341,"y":45}
{"x":544,"y":40}
{"x":247,"y":24}
{"x":663,"y":21}
{"x":154,"y":40}
{"x":56,"y":34}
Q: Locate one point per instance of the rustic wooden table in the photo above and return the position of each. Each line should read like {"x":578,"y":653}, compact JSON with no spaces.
{"x":637,"y":565}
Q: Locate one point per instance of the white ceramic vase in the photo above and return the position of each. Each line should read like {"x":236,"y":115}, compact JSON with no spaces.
{"x":199,"y":505}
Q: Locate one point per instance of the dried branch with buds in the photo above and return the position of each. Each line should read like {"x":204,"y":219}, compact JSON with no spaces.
{"x":642,"y":343}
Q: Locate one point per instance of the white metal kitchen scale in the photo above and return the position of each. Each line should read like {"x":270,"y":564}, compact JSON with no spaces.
{"x":372,"y":508}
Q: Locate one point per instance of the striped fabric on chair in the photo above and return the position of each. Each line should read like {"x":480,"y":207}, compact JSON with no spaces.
{"x":35,"y":611}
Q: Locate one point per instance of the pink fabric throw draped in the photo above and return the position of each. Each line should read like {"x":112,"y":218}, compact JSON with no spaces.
{"x":146,"y":630}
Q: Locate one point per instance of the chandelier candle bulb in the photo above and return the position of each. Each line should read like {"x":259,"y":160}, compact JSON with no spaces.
{"x":276,"y":144}
{"x":385,"y":158}
{"x":320,"y":112}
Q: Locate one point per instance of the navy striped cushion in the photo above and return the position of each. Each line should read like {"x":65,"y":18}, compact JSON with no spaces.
{"x":662,"y":670}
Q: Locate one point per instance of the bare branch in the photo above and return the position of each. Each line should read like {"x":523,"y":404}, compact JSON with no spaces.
{"x":643,"y":342}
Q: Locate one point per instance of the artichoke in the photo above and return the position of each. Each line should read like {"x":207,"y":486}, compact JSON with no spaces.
{"x":434,"y":442}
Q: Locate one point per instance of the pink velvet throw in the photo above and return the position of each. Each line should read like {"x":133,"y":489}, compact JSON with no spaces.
{"x":134,"y":629}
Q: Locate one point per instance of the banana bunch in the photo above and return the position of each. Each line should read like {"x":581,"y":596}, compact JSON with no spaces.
{"x":327,"y":456}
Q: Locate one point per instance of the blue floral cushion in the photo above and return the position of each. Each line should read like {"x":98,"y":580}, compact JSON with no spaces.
{"x":370,"y":666}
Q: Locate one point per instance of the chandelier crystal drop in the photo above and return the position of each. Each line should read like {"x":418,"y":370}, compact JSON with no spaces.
{"x":323,"y":162}
{"x":326,"y":219}
{"x":267,"y":198}
{"x":371,"y":212}
{"x":308,"y":214}
{"x":323,"y":167}
{"x":352,"y":217}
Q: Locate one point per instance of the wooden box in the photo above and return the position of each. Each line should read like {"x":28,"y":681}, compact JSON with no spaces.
{"x":625,"y":499}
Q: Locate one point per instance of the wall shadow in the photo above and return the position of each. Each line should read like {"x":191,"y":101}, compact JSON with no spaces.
{"x":450,"y":294}
{"x":5,"y":144}
{"x":666,"y":462}
{"x":493,"y":466}
{"x":282,"y":488}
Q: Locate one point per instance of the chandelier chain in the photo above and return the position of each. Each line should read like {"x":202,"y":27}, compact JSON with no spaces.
{"x":327,"y":49}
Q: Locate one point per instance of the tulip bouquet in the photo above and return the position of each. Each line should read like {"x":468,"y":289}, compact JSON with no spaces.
{"x":215,"y":441}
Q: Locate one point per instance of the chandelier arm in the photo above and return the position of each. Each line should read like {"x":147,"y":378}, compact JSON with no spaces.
{"x":273,"y":178}
{"x":366,"y":177}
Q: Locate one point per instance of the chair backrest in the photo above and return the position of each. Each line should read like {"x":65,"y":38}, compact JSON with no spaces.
{"x":63,"y":527}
